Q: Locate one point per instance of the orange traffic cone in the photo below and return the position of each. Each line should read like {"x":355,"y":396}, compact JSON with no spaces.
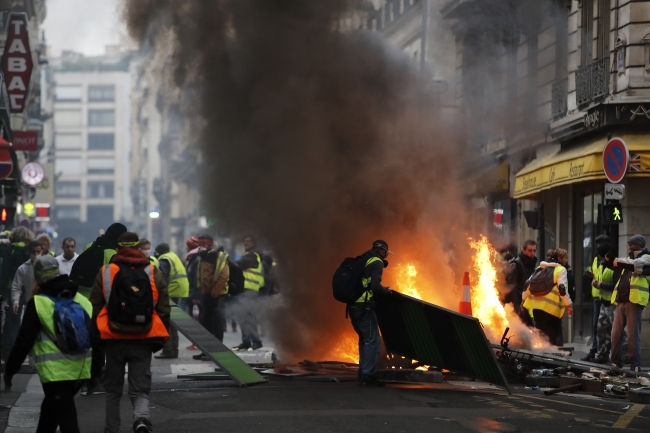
{"x":465,"y":305}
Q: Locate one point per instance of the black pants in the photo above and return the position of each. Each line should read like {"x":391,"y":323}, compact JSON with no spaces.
{"x":213,"y":315}
{"x":549,"y":325}
{"x":58,"y":407}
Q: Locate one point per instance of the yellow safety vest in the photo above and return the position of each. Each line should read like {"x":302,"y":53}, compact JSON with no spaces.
{"x":179,"y":285}
{"x":605,"y":275}
{"x":366,"y":282}
{"x":639,"y":289}
{"x":254,"y":277}
{"x":154,"y":261}
{"x":596,"y":269}
{"x":52,"y":364}
{"x":551,"y":303}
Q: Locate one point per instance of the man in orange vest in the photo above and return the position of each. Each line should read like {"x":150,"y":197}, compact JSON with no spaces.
{"x":131,"y":308}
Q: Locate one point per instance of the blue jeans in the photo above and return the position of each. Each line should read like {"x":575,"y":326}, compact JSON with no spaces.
{"x":627,"y":314}
{"x":594,"y":345}
{"x":364,"y":321}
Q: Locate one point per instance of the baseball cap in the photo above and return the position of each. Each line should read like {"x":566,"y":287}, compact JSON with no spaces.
{"x":46,"y":266}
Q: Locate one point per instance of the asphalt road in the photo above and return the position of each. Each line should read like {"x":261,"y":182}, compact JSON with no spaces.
{"x":313,"y":405}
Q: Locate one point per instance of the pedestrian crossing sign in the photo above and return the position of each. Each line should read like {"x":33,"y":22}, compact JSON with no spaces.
{"x":612,"y":214}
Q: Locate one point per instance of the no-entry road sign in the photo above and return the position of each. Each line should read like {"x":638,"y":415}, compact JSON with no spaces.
{"x":615,"y":160}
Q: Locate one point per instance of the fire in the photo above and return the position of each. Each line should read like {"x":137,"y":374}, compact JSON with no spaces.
{"x":347,"y":349}
{"x":485,"y":297}
{"x":406,"y":280}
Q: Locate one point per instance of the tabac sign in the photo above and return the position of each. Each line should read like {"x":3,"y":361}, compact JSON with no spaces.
{"x":17,"y":62}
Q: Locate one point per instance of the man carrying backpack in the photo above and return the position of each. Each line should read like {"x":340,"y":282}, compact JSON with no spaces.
{"x":363,"y":316}
{"x":60,"y":371}
{"x":131,"y":309}
{"x":178,"y":287}
{"x":546,"y":296}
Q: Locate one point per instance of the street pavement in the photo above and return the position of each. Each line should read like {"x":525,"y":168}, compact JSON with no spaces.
{"x":317,"y":404}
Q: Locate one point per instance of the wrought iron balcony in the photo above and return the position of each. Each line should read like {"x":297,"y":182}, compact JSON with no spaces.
{"x":559,"y":98}
{"x":592,"y":81}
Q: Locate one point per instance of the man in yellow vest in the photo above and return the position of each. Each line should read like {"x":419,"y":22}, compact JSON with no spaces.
{"x":178,"y":286}
{"x":61,"y":373}
{"x":605,"y":280}
{"x":592,"y":273}
{"x":630,"y":297}
{"x":251,"y":265}
{"x":547,"y":310}
{"x":363,"y":316}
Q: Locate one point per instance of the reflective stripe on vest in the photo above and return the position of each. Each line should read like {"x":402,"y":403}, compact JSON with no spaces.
{"x":550,"y":303}
{"x":157,"y":328}
{"x":596,"y":269}
{"x":51,"y":363}
{"x":366,"y":282}
{"x":179,"y":285}
{"x":639,"y":289}
{"x":222,"y":260}
{"x":254,"y":277}
{"x":154,"y":261}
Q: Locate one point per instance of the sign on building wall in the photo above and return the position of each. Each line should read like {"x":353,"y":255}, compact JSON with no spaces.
{"x":17,"y":62}
{"x":25,"y":140}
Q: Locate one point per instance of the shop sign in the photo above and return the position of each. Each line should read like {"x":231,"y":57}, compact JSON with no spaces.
{"x":25,"y":140}
{"x":17,"y":62}
{"x":614,"y":191}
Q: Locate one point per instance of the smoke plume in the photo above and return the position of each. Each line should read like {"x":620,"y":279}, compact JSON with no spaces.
{"x":319,"y":140}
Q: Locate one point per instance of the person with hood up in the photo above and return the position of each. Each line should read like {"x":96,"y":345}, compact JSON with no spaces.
{"x":521,"y":268}
{"x":546,"y":311}
{"x":129,"y":344}
{"x":60,"y":373}
{"x":630,"y":297}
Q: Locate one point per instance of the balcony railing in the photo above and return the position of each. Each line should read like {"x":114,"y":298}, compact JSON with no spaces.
{"x":559,"y":98}
{"x":592,"y":81}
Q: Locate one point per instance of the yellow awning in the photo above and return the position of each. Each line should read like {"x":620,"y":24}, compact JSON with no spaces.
{"x":578,"y":164}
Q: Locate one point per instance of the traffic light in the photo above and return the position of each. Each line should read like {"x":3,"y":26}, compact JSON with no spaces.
{"x":4,"y":215}
{"x":612,"y":214}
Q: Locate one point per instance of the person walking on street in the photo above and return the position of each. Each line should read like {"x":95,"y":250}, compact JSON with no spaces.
{"x":192,"y":265}
{"x":592,"y":273}
{"x":67,"y":259}
{"x":251,"y":265}
{"x":521,"y":268}
{"x":22,"y":288}
{"x":60,"y":372}
{"x":363,"y":316}
{"x":46,"y":242}
{"x":130,"y":338}
{"x":630,"y":297}
{"x":178,"y":287}
{"x":14,"y":256}
{"x":546,"y":311}
{"x":604,"y":279}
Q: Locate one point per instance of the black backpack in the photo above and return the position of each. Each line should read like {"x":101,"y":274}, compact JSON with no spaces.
{"x":236,"y":281}
{"x":346,"y":283}
{"x":130,"y":306}
{"x":541,"y":283}
{"x":85,"y":268}
{"x":15,"y":257}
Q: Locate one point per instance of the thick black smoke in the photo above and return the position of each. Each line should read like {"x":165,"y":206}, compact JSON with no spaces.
{"x":316,"y":139}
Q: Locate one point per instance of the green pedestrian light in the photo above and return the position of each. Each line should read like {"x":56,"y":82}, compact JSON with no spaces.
{"x":612,"y":214}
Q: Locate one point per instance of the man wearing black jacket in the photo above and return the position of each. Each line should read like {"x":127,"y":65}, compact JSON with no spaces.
{"x":520,"y":271}
{"x":61,"y":374}
{"x":363,"y":316}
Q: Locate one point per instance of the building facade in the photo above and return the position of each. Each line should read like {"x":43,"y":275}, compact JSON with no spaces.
{"x":90,"y":143}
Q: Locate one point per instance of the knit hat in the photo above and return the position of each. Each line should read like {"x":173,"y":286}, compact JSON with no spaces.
{"x":192,"y":243}
{"x":46,"y":267}
{"x":637,"y":239}
{"x":603,"y":249}
{"x":602,"y":238}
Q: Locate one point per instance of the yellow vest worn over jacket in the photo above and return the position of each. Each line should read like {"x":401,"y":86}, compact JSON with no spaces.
{"x":639,"y":289}
{"x":52,"y":364}
{"x":596,"y":269}
{"x":254,"y":277}
{"x":179,"y":285}
{"x":367,"y":295}
{"x":551,"y":303}
{"x":605,"y":275}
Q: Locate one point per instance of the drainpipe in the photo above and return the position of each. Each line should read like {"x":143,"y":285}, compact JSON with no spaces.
{"x":426,"y":7}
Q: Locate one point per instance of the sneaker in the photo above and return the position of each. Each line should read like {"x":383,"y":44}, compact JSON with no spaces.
{"x":142,"y":426}
{"x":84,"y":390}
{"x":256,"y":346}
{"x":636,"y":369}
{"x":242,"y":347}
{"x":166,"y":356}
{"x":198,"y":356}
{"x":192,"y":347}
{"x":96,"y":389}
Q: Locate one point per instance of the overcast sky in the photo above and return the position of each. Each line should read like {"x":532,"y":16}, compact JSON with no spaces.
{"x":84,"y":26}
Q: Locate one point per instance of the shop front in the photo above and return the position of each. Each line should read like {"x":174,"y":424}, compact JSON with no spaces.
{"x":570,"y":183}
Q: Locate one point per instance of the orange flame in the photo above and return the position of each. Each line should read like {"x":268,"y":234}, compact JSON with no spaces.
{"x":347,"y":349}
{"x":406,"y":280}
